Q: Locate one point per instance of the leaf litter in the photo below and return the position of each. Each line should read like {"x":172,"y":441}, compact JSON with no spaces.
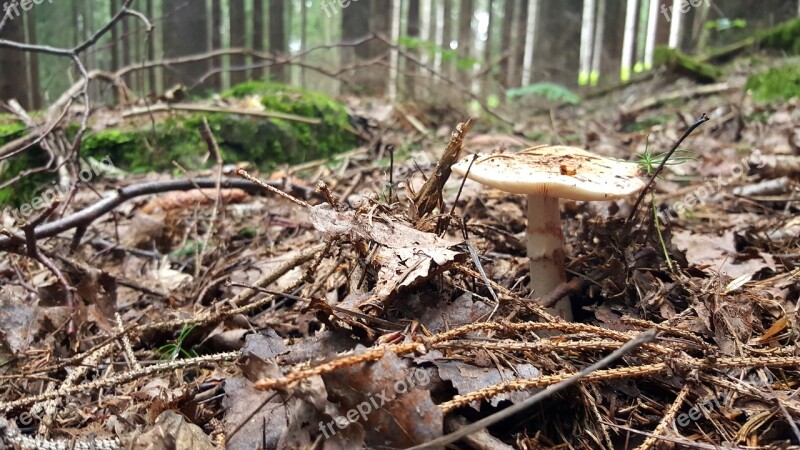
{"x":300,"y":315}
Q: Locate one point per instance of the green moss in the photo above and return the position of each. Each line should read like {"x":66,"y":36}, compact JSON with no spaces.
{"x":685,"y":65}
{"x":784,"y":37}
{"x":780,"y":83}
{"x":333,"y":135}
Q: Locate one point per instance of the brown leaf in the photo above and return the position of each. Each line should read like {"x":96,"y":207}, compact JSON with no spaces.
{"x":389,"y":399}
{"x":171,"y":432}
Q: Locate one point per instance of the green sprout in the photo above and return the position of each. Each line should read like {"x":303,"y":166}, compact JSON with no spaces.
{"x":648,"y":161}
{"x":171,"y":351}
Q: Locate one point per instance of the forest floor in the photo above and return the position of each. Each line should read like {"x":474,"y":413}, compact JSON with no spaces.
{"x":359,"y":314}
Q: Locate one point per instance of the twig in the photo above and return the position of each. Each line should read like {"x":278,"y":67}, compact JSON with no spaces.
{"x":648,"y":336}
{"x":703,"y":119}
{"x":243,"y":173}
{"x":108,"y":204}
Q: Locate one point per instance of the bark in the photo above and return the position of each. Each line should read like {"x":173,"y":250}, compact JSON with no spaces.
{"x":152,"y":83}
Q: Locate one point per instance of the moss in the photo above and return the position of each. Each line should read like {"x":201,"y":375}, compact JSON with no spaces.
{"x":685,"y":65}
{"x":313,"y":141}
{"x":784,"y":37}
{"x":780,"y":83}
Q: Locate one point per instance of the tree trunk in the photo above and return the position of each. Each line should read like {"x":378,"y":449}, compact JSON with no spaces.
{"x":277,"y":38}
{"x":258,"y":38}
{"x":33,"y":58}
{"x":380,"y":23}
{"x":531,"y":33}
{"x":114,"y":48}
{"x":465,"y":40}
{"x":184,"y":34}
{"x":394,"y":55}
{"x":488,"y":53}
{"x":355,"y":26}
{"x":507,"y":64}
{"x":303,"y":38}
{"x":13,"y":70}
{"x":447,"y":67}
{"x":152,"y":82}
{"x":518,"y":43}
{"x":412,"y":31}
{"x":238,"y":40}
{"x":217,"y":62}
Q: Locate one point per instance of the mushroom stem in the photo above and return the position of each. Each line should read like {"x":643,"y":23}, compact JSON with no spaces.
{"x":546,"y":251}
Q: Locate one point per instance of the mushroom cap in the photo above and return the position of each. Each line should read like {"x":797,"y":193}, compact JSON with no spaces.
{"x":554,"y":171}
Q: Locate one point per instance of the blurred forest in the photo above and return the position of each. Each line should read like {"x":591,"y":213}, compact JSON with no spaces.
{"x":487,"y":47}
{"x":385,"y":224}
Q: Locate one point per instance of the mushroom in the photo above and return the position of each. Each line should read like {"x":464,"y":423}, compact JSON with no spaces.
{"x":545,"y":174}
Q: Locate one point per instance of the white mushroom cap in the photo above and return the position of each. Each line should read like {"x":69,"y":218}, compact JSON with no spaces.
{"x":554,"y":171}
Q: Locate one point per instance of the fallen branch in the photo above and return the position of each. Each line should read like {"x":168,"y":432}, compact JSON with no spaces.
{"x":88,"y":215}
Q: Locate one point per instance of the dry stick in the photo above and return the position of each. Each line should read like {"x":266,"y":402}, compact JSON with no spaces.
{"x":118,"y":379}
{"x":213,"y":148}
{"x":214,"y":109}
{"x":648,"y":336}
{"x":685,"y":442}
{"x":669,"y":415}
{"x":384,"y":323}
{"x":87,"y":215}
{"x":243,"y":173}
{"x":703,"y":119}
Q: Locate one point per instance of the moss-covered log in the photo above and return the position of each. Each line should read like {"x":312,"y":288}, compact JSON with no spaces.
{"x":138,"y":146}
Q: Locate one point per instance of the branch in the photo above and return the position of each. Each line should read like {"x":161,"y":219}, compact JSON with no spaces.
{"x":88,"y":215}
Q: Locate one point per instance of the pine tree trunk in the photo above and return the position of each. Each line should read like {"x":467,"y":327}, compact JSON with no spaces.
{"x":184,"y":34}
{"x":238,"y":40}
{"x":13,"y":70}
{"x":507,"y":64}
{"x":277,"y":38}
{"x":412,"y":31}
{"x":355,"y":26}
{"x":217,"y":62}
{"x":258,"y":37}
{"x":33,"y":58}
{"x":465,"y":39}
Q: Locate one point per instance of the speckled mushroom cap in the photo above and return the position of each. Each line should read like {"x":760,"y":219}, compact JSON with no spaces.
{"x":554,"y":171}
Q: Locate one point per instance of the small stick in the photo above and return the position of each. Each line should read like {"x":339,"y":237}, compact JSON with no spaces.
{"x":243,"y":173}
{"x":703,"y":119}
{"x":647,"y":336}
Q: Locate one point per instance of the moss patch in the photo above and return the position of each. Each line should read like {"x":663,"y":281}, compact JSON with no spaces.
{"x":780,"y":83}
{"x":784,"y":37}
{"x":685,"y":65}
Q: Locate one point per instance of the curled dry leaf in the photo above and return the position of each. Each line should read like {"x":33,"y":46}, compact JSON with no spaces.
{"x":405,"y":255}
